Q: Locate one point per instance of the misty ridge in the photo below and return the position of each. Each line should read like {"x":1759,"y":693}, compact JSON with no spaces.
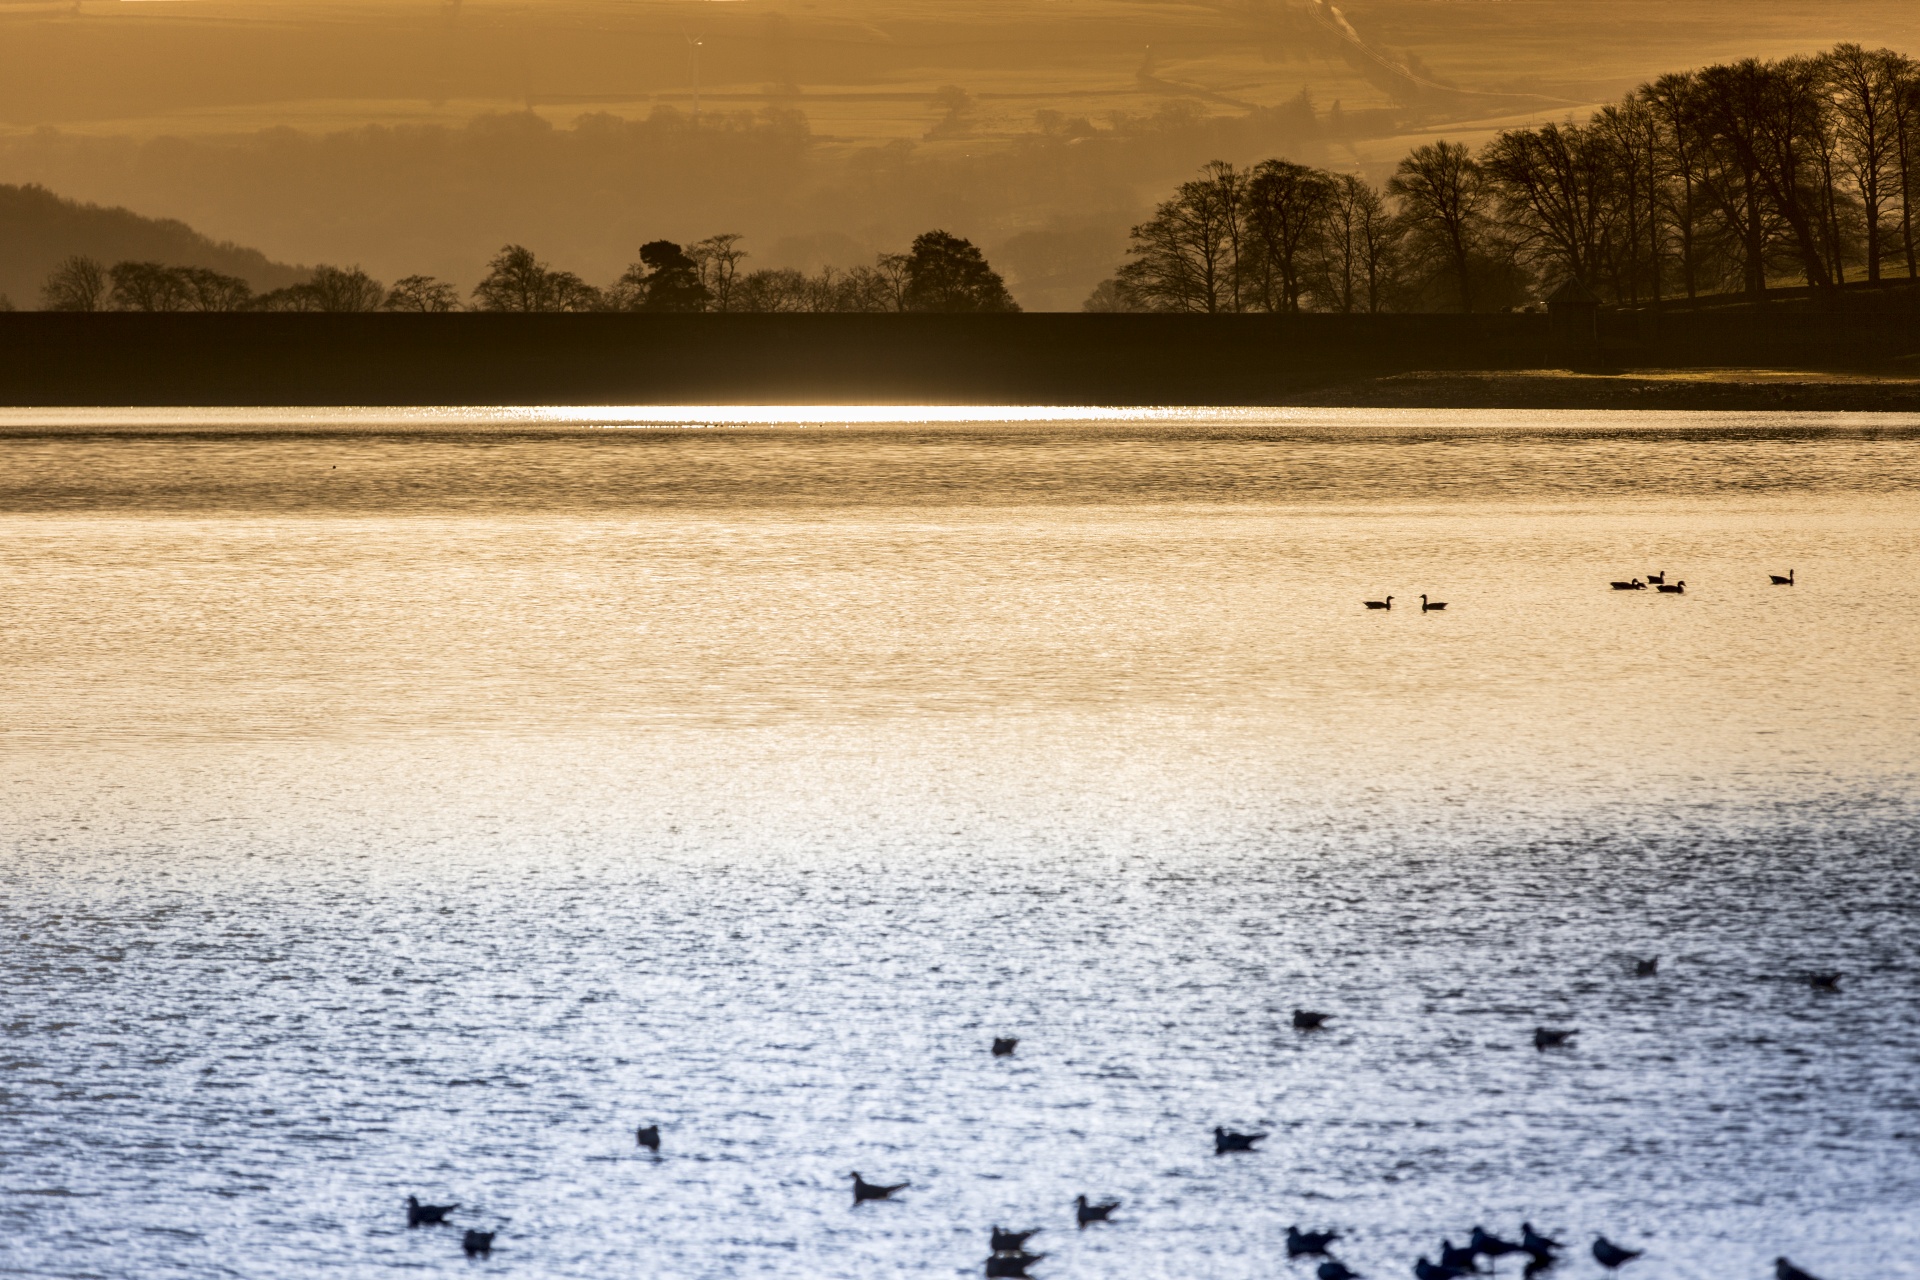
{"x":1732,"y":178}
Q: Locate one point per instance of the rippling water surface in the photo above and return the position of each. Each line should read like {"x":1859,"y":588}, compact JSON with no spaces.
{"x":415,"y":802}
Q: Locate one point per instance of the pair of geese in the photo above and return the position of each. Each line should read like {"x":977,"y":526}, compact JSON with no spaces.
{"x":1426,"y":605}
{"x":478,"y":1244}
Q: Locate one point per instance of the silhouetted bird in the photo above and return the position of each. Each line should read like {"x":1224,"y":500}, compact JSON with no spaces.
{"x":864,"y":1190}
{"x":1646,"y":968}
{"x":478,"y":1244}
{"x":648,"y":1136}
{"x":1491,"y":1245}
{"x":1334,"y":1270}
{"x":1782,"y":1269}
{"x":427,"y":1215}
{"x":1429,"y":1271}
{"x":1225,"y":1141}
{"x":1003,"y":1046}
{"x":1657,"y":578}
{"x":1309,"y":1243}
{"x":1547,"y":1038}
{"x":1673,"y":588}
{"x":1012,"y":1241}
{"x":1085,"y":1213}
{"x":1779,"y":581}
{"x":1536,"y":1244}
{"x":1610,"y":1255}
{"x":1012,"y":1264}
{"x":1632,"y":584}
{"x":1380,"y":604}
{"x":1433,"y":607}
{"x":1452,"y":1255}
{"x":1308,"y":1020}
{"x":1824,"y":981}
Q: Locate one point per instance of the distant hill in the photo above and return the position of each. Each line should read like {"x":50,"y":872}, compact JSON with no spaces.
{"x":39,"y":228}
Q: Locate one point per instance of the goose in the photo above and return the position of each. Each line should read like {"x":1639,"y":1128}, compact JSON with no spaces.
{"x":1824,"y":981}
{"x":1612,"y":1256}
{"x":1657,"y":578}
{"x":427,"y":1215}
{"x":1673,"y":588}
{"x":1779,"y":581}
{"x":1456,"y":1256}
{"x":1784,"y":1270}
{"x":1012,"y":1264}
{"x":1646,"y":968}
{"x":1003,"y":1046}
{"x":1541,"y":1247}
{"x":864,"y":1190}
{"x":1545,"y":1038}
{"x":1379,"y":604}
{"x":1012,"y":1241}
{"x":478,"y":1244}
{"x":1085,"y":1213}
{"x":1426,"y":1270}
{"x":1431,"y":608}
{"x":1333,"y":1269}
{"x":1225,"y":1141}
{"x":1633,"y":584}
{"x":1308,"y":1020}
{"x":1309,"y":1243}
{"x":648,"y":1136}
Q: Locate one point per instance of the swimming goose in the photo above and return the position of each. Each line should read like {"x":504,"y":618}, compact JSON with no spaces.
{"x":1003,"y":1046}
{"x":1824,"y":981}
{"x":1431,"y":608}
{"x":1646,"y":968}
{"x":1657,"y":578}
{"x":1308,"y":1020}
{"x":427,"y":1215}
{"x":1631,"y":585}
{"x":1548,"y":1038}
{"x":1225,"y":1141}
{"x":1379,"y":604}
{"x":864,"y":1190}
{"x":1309,"y":1243}
{"x":1673,"y":588}
{"x":1012,"y":1241}
{"x":1779,"y":581}
{"x":1612,"y":1256}
{"x":1536,"y":1244}
{"x":1085,"y":1213}
{"x":648,"y":1136}
{"x":478,"y":1244}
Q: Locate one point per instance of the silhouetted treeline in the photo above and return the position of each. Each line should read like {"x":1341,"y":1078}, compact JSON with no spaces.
{"x":1727,"y":179}
{"x":939,"y":272}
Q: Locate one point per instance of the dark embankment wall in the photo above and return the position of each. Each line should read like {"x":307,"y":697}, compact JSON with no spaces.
{"x":239,"y":359}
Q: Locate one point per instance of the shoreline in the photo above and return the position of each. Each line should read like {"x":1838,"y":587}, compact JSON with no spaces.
{"x":1734,"y":390}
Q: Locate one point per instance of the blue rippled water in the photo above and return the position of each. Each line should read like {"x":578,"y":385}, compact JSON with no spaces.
{"x":417,"y":802}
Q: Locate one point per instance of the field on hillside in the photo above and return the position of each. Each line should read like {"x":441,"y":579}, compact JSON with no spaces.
{"x":912,"y":113}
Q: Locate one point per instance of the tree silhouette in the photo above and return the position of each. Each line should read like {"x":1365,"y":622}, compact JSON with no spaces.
{"x":421,"y":293}
{"x":1439,"y":189}
{"x":947,"y":273}
{"x":518,"y":281}
{"x":78,"y":284}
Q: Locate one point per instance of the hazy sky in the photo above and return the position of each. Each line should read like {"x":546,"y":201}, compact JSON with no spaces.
{"x":830,"y":129}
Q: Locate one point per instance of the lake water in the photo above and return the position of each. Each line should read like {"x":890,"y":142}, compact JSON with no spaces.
{"x":416,"y":802}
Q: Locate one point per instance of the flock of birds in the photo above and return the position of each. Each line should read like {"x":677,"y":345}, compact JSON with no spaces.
{"x":1658,"y":581}
{"x":1008,"y":1256}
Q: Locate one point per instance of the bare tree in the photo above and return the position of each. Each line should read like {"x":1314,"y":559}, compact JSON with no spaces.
{"x":421,"y":293}
{"x":1552,"y":188}
{"x":1286,"y":210}
{"x":518,"y":281}
{"x":1354,"y":247}
{"x":1184,"y":258}
{"x":718,"y":259}
{"x":148,"y":286}
{"x":208,"y":290}
{"x":1439,"y":189}
{"x":79,"y":283}
{"x":348,"y":289}
{"x":1865,"y":87}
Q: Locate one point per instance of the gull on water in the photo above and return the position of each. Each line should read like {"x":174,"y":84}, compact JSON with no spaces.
{"x":427,"y":1215}
{"x":1225,"y":1140}
{"x":1085,"y":1212}
{"x":1309,"y":1020}
{"x":478,"y":1244}
{"x":1548,"y":1038}
{"x":1333,"y":1269}
{"x":1003,"y":1046}
{"x":864,"y":1190}
{"x":1309,"y":1243}
{"x":1612,"y":1256}
{"x":648,"y":1136}
{"x":1012,"y":1241}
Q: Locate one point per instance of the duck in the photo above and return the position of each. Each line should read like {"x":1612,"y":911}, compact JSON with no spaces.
{"x":1673,"y":588}
{"x":1657,"y":578}
{"x":1309,"y":1020}
{"x":1379,"y":604}
{"x":1824,"y":981}
{"x":648,"y":1136}
{"x":1612,"y":1256}
{"x":1084,"y":1212}
{"x":1012,"y":1241}
{"x":1434,"y":607}
{"x":1541,"y":1247}
{"x":1545,"y":1038}
{"x":1646,"y":968}
{"x":478,"y":1244}
{"x":427,"y":1215}
{"x":1302,"y":1244}
{"x":864,"y":1190}
{"x":1003,"y":1046}
{"x":1632,"y":584}
{"x":1779,"y":581}
{"x":1225,"y":1140}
